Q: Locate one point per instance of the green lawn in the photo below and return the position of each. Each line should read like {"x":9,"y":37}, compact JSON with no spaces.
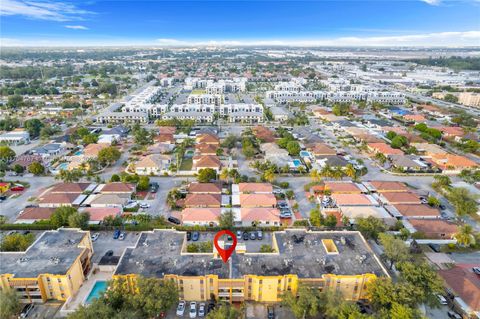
{"x":186,"y":164}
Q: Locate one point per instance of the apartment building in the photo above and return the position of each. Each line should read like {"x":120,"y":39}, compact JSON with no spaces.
{"x":469,"y":98}
{"x":331,"y":260}
{"x":294,"y":96}
{"x":215,"y":99}
{"x":53,"y":267}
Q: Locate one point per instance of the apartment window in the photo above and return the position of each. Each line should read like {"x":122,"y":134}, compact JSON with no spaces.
{"x":211,"y":281}
{"x":201,"y":281}
{"x":62,"y":295}
{"x":59,"y":280}
{"x":260,"y":281}
{"x":48,"y":279}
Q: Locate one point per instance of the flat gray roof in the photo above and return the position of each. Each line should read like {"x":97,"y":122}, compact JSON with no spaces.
{"x":300,"y":252}
{"x":52,"y":253}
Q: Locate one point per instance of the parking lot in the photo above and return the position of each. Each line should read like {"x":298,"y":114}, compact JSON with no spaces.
{"x":105,"y":242}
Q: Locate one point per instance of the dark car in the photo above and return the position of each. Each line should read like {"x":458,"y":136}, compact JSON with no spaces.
{"x":270,"y":312}
{"x":435,"y":247}
{"x":154,"y":187}
{"x":210,"y":307}
{"x":245,"y":236}
{"x":195,"y":235}
{"x":116,"y":234}
{"x":174,"y":220}
{"x":253,"y":235}
{"x":442,"y":207}
{"x":189,"y":235}
{"x":109,"y":253}
{"x":454,"y":315}
{"x":3,"y":197}
{"x":26,"y":310}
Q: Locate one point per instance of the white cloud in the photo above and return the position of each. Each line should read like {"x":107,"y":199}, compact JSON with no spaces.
{"x":76,"y":27}
{"x":42,"y":10}
{"x":432,"y":2}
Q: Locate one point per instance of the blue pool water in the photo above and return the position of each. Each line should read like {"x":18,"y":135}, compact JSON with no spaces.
{"x":63,"y":166}
{"x":98,"y":289}
{"x":304,"y":154}
{"x":297,"y":162}
{"x":78,"y":153}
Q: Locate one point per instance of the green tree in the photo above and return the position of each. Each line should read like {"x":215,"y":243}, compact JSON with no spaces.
{"x":390,"y":135}
{"x":17,"y":168}
{"x":330,"y":221}
{"x":463,"y":201}
{"x":224,"y":311}
{"x":143,"y":183}
{"x":61,"y":215}
{"x":114,"y":178}
{"x":465,"y":235}
{"x":433,"y":201}
{"x":293,"y":148}
{"x":154,"y":296}
{"x":108,"y":155}
{"x":305,"y":303}
{"x":78,"y":220}
{"x":370,"y":227}
{"x":399,"y":141}
{"x":424,"y":278}
{"x":269,"y":175}
{"x":316,"y":217}
{"x":395,"y":249}
{"x":206,"y":175}
{"x":90,"y":139}
{"x":15,"y":101}
{"x":441,"y":181}
{"x":70,"y":176}
{"x":226,"y":220}
{"x":16,"y":242}
{"x":9,"y":304}
{"x":33,"y":127}
{"x":36,"y":168}
{"x":266,"y":249}
{"x":6,"y":153}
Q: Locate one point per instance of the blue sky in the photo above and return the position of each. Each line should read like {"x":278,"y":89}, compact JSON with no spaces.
{"x":315,"y":22}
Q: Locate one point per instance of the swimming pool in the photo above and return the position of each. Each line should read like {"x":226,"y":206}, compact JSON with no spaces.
{"x":97,"y":290}
{"x":296,"y":162}
{"x":63,"y":166}
{"x":304,"y":154}
{"x":78,"y":153}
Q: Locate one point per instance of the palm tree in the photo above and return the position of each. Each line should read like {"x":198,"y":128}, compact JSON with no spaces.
{"x":465,"y":236}
{"x":337,"y":173}
{"x":316,"y":175}
{"x":326,"y":171}
{"x":269,"y":175}
{"x":350,"y":171}
{"x":225,"y":175}
{"x":233,"y":174}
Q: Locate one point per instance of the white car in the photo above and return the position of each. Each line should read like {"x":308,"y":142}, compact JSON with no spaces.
{"x":193,"y":310}
{"x":144,"y":205}
{"x":442,"y":300}
{"x":122,"y":236}
{"x":201,"y":310}
{"x":95,"y":236}
{"x":181,"y":308}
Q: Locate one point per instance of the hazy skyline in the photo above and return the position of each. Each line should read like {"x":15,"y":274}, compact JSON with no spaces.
{"x":186,"y":23}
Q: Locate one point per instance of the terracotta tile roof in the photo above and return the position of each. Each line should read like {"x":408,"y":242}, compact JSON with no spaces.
{"x":37,"y":213}
{"x":92,"y":150}
{"x":255,"y":187}
{"x":396,"y":129}
{"x":464,"y":283}
{"x":322,"y":149}
{"x":206,"y":161}
{"x":69,"y":188}
{"x":452,"y":131}
{"x":205,"y":188}
{"x":260,"y":214}
{"x":59,"y":198}
{"x":384,"y":148}
{"x":165,"y":138}
{"x":418,"y":118}
{"x":167,"y":130}
{"x":389,"y":186}
{"x":412,"y":210}
{"x":118,"y":187}
{"x":206,"y":149}
{"x":201,"y":215}
{"x":401,"y":198}
{"x":342,"y":187}
{"x":264,"y":134}
{"x":203,"y":200}
{"x":353,"y":200}
{"x":257,"y":200}
{"x":446,"y":161}
{"x":99,"y":213}
{"x":207,"y":138}
{"x":153,"y":161}
{"x":434,"y":228}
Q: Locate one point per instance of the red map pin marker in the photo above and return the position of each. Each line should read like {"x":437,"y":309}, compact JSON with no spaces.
{"x":225,"y":253}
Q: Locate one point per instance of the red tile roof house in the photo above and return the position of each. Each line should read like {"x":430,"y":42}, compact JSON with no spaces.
{"x":260,"y":216}
{"x":451,"y":131}
{"x":206,"y":161}
{"x":32,"y":214}
{"x":257,"y":200}
{"x":416,"y":118}
{"x":452,"y":164}
{"x":200,"y":216}
{"x":205,"y":188}
{"x":399,"y":198}
{"x":417,"y":211}
{"x":465,"y":286}
{"x":386,"y":186}
{"x":342,"y":187}
{"x":203,"y":200}
{"x":167,"y":130}
{"x":207,"y":139}
{"x":69,"y":188}
{"x":58,"y":199}
{"x":165,"y":138}
{"x":264,"y":134}
{"x":321,"y":149}
{"x":98,"y":214}
{"x":118,"y":188}
{"x":206,"y":149}
{"x":434,"y":228}
{"x":257,"y":188}
{"x":383,"y":148}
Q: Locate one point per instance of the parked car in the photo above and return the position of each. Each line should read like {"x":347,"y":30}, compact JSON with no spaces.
{"x":95,"y":236}
{"x":442,"y":299}
{"x":26,"y":310}
{"x":253,"y":235}
{"x":144,"y":205}
{"x":435,"y":247}
{"x":154,"y":187}
{"x":122,"y":236}
{"x":189,"y":236}
{"x":193,"y":310}
{"x":453,"y":315}
{"x":442,"y":207}
{"x":210,"y":307}
{"x":174,"y":220}
{"x":17,"y":188}
{"x":109,"y":253}
{"x":476,"y":270}
{"x":245,"y":236}
{"x":201,"y":310}
{"x":270,"y":312}
{"x":181,"y":308}
{"x":286,"y":213}
{"x":195,"y":235}
{"x":282,"y":205}
{"x":239,"y":234}
{"x":259,"y":235}
{"x":116,"y":234}
{"x":2,"y":198}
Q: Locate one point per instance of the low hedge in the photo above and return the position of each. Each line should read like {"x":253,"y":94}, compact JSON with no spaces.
{"x":27,"y":227}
